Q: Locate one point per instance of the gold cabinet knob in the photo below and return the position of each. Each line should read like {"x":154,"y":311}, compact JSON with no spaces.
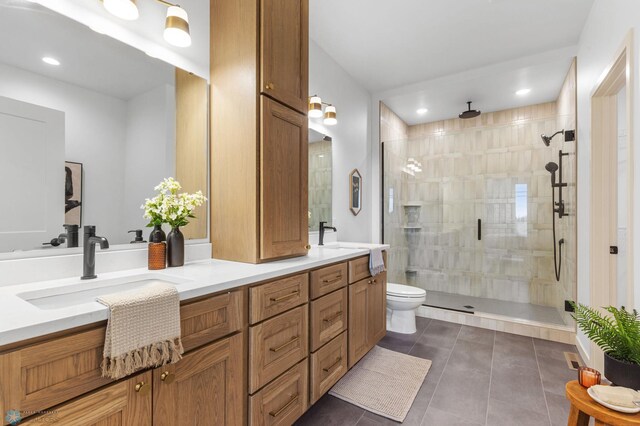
{"x":308,"y":246}
{"x":143,"y":388}
{"x":167,"y":377}
{"x":269,"y":86}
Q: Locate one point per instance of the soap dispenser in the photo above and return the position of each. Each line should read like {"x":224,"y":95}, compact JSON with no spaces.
{"x":138,"y":239}
{"x":157,"y":251}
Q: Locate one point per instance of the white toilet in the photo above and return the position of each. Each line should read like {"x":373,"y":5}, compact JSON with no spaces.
{"x":402,"y":302}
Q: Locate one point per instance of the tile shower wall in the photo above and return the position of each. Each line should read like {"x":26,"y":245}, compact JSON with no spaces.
{"x":320,"y":181}
{"x":489,"y":168}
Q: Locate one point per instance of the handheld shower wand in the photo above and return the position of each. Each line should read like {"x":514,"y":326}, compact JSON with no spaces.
{"x":557,"y":247}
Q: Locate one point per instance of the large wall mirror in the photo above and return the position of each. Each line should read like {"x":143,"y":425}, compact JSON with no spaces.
{"x":320,"y":179}
{"x":88,"y":127}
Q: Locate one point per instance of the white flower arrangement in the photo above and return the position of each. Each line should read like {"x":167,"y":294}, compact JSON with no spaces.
{"x":169,"y":206}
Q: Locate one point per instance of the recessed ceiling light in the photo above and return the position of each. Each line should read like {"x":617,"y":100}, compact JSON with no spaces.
{"x":523,"y":92}
{"x":51,"y":61}
{"x":422,"y":110}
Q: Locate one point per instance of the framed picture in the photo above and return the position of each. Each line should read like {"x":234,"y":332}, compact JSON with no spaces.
{"x":355,"y":192}
{"x":73,"y":193}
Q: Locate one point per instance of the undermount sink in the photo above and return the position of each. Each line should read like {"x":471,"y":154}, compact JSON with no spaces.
{"x":346,"y":246}
{"x":87,"y":291}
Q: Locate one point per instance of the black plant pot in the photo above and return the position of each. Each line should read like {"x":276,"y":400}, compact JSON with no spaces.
{"x":175,"y":248}
{"x":622,"y":373}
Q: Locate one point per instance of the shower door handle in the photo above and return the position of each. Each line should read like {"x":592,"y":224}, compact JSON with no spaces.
{"x":479,"y":229}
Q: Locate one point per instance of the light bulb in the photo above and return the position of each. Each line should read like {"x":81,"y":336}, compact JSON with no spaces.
{"x":330,"y":117}
{"x":315,"y":107}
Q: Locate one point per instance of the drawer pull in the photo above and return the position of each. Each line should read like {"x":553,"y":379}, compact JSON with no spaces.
{"x":285,"y":297}
{"x":332,"y":366}
{"x":335,"y":280}
{"x":284,"y":345}
{"x":280,"y":410}
{"x":143,"y":388}
{"x":334,"y":317}
{"x":269,"y":86}
{"x":167,"y":377}
{"x":371,"y":281}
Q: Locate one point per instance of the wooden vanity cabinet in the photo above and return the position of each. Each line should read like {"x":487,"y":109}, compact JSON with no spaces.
{"x":259,"y":70}
{"x":367,"y":315}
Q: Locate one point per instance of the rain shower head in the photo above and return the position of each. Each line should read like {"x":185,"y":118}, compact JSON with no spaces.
{"x":469,"y":113}
{"x":547,"y":139}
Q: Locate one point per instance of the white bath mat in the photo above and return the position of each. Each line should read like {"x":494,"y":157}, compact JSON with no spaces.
{"x":383,"y":382}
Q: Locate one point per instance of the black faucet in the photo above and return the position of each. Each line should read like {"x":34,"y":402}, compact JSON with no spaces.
{"x":322,"y":229}
{"x":89,"y":258}
{"x":70,"y":237}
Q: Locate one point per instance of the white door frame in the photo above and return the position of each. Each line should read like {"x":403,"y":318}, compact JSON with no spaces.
{"x":604,"y":176}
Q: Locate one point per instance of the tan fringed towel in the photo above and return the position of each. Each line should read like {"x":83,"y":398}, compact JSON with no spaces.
{"x":143,"y":330}
{"x":615,"y":395}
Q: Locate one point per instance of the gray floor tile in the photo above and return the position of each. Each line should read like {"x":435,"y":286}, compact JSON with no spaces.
{"x":435,"y":417}
{"x":331,"y":411}
{"x":365,"y":421}
{"x":438,"y":357}
{"x":555,"y":374}
{"x":463,"y":393}
{"x":440,"y":334}
{"x":422,"y":323}
{"x":477,"y":335}
{"x":511,"y":382}
{"x":554,"y":350}
{"x":399,"y":342}
{"x":471,"y":356}
{"x":510,"y":349}
{"x":513,"y":414}
{"x":559,"y":408}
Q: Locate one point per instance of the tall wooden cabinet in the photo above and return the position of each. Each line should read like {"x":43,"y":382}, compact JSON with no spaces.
{"x":259,"y":85}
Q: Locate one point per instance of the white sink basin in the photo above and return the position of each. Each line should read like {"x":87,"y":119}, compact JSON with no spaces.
{"x":87,"y":291}
{"x":347,"y":246}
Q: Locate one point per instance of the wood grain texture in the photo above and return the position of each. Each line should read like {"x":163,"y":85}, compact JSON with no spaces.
{"x":328,"y":317}
{"x":207,"y":389}
{"x":359,"y":268}
{"x":192,"y":142}
{"x":276,"y":345}
{"x":367,"y":315}
{"x":267,"y":407}
{"x":583,"y":407}
{"x":234,"y":130}
{"x":327,"y":366}
{"x":270,"y":299}
{"x":284,"y":26}
{"x":327,"y":279}
{"x":116,"y":404}
{"x":284,"y":221}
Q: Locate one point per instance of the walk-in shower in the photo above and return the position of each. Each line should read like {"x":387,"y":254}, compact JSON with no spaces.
{"x":474,"y":224}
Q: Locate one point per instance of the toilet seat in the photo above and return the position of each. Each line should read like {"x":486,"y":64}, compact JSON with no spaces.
{"x":405,"y":291}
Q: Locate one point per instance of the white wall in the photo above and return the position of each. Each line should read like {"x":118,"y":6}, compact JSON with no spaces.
{"x":94,"y":135}
{"x":606,"y":27}
{"x":150,"y":150}
{"x":351,"y":140}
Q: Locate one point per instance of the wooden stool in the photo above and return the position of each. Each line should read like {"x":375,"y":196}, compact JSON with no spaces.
{"x":583,"y":407}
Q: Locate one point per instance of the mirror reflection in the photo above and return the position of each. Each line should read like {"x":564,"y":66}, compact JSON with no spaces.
{"x":88,"y":127}
{"x":320,"y":179}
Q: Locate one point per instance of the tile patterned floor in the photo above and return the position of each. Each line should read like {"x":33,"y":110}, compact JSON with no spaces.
{"x":478,"y":377}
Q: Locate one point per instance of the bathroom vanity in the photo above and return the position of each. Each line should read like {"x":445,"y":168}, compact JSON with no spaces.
{"x":262,"y":343}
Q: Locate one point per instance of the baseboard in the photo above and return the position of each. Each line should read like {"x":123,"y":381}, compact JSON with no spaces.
{"x":583,"y":352}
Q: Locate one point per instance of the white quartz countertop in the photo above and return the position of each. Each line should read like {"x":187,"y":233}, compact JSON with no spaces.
{"x":21,"y":320}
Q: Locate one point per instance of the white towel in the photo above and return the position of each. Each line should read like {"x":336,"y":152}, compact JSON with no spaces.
{"x":376,"y":262}
{"x":615,"y":395}
{"x":143,"y":330}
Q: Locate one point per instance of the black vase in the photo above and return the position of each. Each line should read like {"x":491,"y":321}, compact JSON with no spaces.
{"x":157,"y":235}
{"x":175,"y":248}
{"x":622,"y":373}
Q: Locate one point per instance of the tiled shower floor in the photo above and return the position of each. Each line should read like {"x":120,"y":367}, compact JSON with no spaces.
{"x":478,"y":378}
{"x":527,"y":311}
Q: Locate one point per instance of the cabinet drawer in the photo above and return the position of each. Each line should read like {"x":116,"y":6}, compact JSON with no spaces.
{"x":270,"y":299}
{"x":359,"y":268}
{"x":328,"y":317}
{"x":276,"y":345}
{"x":328,"y":365}
{"x":283,"y":401}
{"x":326,"y":280}
{"x":212,"y":318}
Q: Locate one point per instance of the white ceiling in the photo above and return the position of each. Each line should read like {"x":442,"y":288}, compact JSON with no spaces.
{"x":88,"y":59}
{"x":385,"y":44}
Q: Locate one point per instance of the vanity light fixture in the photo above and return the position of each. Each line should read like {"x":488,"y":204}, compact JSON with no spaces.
{"x":51,"y":61}
{"x":330,"y":116}
{"x":315,"y":106}
{"x":523,"y":92}
{"x":422,"y":111}
{"x":176,"y":29}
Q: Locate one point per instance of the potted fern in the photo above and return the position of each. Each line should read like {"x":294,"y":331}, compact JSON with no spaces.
{"x":618,"y":336}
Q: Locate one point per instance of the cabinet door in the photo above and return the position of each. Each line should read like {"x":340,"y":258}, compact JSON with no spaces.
{"x":204,"y":388}
{"x":121,"y":404}
{"x":358,"y":318}
{"x":283,"y":185}
{"x":285,"y":51}
{"x":377,"y":309}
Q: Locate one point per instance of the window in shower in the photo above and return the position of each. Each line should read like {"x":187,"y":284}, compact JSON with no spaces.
{"x":521,"y":208}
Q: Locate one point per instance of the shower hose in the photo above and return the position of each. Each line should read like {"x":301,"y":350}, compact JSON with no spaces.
{"x":557,"y":246}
